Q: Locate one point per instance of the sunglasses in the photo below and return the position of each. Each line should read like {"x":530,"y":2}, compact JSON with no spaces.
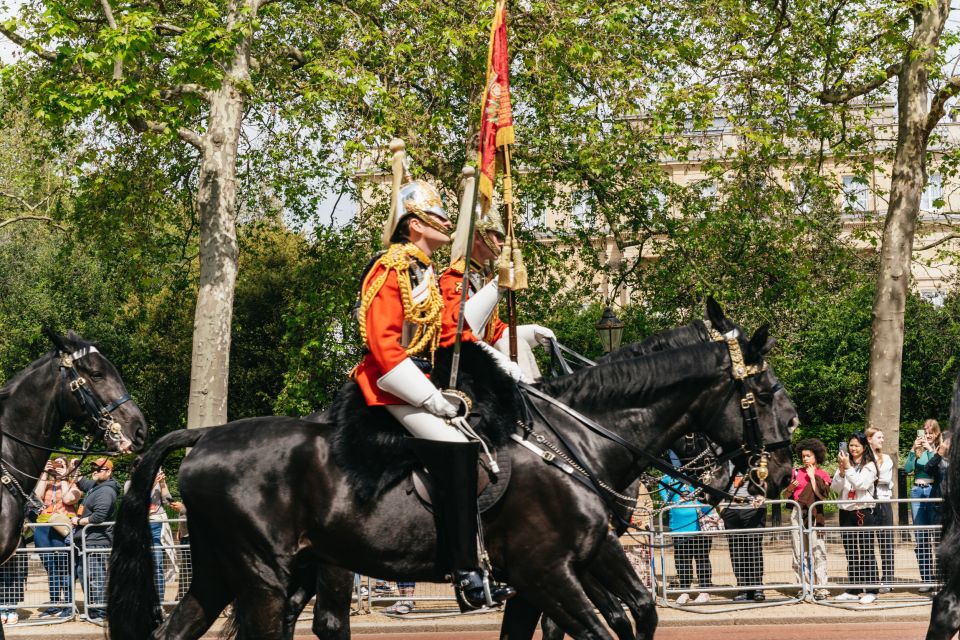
{"x":98,"y":469}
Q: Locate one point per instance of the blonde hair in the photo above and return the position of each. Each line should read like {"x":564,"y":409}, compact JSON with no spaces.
{"x":870,"y":432}
{"x":935,"y":430}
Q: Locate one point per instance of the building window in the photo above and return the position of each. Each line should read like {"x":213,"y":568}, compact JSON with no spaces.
{"x":932,"y":198}
{"x":707,"y":189}
{"x":582,"y":209}
{"x":535,"y":217}
{"x":855,"y":192}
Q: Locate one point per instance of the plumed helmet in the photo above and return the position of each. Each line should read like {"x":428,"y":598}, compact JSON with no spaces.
{"x":420,"y":197}
{"x":417,"y":198}
{"x":482,"y":224}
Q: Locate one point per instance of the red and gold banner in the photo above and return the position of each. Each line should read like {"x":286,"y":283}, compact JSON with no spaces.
{"x":496,"y":113}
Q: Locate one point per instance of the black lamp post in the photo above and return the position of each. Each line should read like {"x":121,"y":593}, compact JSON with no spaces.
{"x":610,"y":329}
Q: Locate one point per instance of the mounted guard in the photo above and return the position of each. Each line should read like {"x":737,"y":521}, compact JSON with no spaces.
{"x":400,"y":320}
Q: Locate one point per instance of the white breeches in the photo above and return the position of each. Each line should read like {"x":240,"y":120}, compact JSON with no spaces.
{"x":423,"y":424}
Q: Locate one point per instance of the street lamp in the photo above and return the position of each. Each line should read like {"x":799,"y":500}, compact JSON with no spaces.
{"x":610,"y":329}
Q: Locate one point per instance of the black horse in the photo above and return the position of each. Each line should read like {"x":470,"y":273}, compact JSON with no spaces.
{"x":75,"y":382}
{"x":945,"y":614}
{"x":241,"y":481}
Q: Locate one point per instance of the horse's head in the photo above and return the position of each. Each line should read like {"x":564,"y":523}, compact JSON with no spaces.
{"x":759,"y":415}
{"x":93,"y":392}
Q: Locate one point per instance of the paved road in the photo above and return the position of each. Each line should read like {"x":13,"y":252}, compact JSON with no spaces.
{"x":877,"y":631}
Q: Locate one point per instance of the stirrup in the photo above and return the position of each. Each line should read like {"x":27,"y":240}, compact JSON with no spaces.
{"x":474,"y":590}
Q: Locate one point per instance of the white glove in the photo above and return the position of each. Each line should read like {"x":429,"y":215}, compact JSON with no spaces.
{"x":534,"y":334}
{"x":439,"y":406}
{"x":408,"y":383}
{"x":507,"y":365}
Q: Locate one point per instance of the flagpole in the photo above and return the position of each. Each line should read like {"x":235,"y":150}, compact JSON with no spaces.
{"x":511,"y":296}
{"x":469,"y":200}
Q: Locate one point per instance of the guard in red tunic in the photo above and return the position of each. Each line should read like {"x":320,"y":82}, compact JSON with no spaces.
{"x":482,"y":323}
{"x":400,"y":322}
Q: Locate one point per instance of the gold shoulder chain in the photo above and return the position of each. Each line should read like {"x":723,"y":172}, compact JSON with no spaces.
{"x":426,"y":316}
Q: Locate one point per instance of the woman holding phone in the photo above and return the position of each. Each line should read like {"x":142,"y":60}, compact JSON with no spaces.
{"x":856,"y":481}
{"x":924,"y":513}
{"x":883,"y":512}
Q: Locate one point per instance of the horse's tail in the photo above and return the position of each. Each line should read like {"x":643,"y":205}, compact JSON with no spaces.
{"x":950,"y":511}
{"x":132,"y":600}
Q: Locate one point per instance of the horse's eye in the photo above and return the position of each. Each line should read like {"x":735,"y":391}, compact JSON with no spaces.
{"x":96,"y":376}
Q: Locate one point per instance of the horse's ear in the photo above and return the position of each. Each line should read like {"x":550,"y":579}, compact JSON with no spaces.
{"x":57,"y":339}
{"x":761,"y":342}
{"x":716,"y":316}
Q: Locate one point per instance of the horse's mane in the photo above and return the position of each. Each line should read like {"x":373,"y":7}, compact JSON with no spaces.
{"x":611,"y":383}
{"x":371,"y":447}
{"x":661,"y":341}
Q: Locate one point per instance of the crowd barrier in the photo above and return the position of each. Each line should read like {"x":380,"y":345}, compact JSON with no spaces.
{"x":786,"y":564}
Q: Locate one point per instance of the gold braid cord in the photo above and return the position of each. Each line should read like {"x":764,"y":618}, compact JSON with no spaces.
{"x":426,"y":316}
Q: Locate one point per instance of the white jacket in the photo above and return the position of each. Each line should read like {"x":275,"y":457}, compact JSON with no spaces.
{"x":857,"y":484}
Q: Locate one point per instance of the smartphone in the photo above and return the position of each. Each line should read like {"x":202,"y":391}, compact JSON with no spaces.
{"x":843,"y":447}
{"x":921,"y":433}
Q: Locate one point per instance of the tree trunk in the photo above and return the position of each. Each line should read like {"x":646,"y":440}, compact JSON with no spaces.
{"x":217,"y":208}
{"x":908,"y":178}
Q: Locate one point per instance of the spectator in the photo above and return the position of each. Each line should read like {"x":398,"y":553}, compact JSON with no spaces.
{"x":184,"y":571}
{"x":99,"y":505}
{"x":856,"y":480}
{"x":746,"y":549}
{"x":809,"y":484}
{"x":159,"y":496}
{"x":883,"y":511}
{"x":924,"y":513}
{"x":687,"y":549}
{"x":939,"y":464}
{"x":59,"y":497}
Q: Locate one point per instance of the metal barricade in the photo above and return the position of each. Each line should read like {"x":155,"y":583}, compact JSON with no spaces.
{"x":39,"y":578}
{"x":755,"y":564}
{"x":843,"y":556}
{"x":425,"y":599}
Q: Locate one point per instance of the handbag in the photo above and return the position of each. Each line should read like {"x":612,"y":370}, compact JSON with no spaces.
{"x":710,"y":521}
{"x":60,"y":523}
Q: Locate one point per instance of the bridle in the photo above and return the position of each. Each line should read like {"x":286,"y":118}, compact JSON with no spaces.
{"x":99,"y":413}
{"x":754,"y":447}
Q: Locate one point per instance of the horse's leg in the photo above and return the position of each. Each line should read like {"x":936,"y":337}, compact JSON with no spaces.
{"x":331,"y":611}
{"x":945,"y":614}
{"x":559,"y":594}
{"x":260,"y":612}
{"x":204,"y":601}
{"x":611,"y":570}
{"x":519,"y":619}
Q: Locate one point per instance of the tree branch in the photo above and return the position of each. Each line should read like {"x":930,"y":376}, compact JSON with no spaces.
{"x":23,"y":43}
{"x":118,"y":63}
{"x":22,"y":201}
{"x":142,"y":125}
{"x":180,"y":89}
{"x":846,"y":92}
{"x":50,"y":221}
{"x":939,"y":102}
{"x":169,"y":28}
{"x":938,"y":242}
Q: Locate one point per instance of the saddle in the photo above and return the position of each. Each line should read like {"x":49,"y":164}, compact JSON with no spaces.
{"x":490,"y":486}
{"x":372,"y":448}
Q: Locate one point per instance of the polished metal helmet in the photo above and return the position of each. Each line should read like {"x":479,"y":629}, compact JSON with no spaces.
{"x":417,"y":198}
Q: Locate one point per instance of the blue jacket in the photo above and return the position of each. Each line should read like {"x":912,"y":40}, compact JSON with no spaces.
{"x":681,"y":518}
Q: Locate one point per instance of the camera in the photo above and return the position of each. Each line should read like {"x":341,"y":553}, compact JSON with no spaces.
{"x":843,"y":447}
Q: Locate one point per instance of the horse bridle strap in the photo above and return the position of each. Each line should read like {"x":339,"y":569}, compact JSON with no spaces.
{"x":600,"y":430}
{"x":95,"y":409}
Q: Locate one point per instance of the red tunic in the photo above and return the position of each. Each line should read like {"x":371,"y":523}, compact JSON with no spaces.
{"x":451,"y":283}
{"x":384,"y":326}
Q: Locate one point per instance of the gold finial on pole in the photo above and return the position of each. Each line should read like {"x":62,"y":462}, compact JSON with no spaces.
{"x":398,"y":148}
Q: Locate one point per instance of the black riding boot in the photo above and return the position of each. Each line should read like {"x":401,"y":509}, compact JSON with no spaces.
{"x":453,"y":467}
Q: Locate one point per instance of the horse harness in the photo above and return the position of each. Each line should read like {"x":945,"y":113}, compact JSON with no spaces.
{"x":101,"y":414}
{"x":754,"y":448}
